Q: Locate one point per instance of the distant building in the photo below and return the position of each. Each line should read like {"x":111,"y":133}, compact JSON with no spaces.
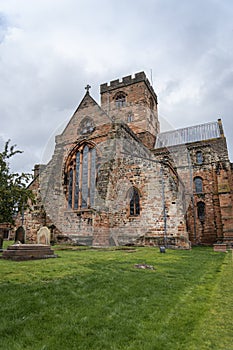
{"x":114,"y":179}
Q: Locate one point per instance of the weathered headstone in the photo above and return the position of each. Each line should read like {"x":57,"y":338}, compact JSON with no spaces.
{"x":1,"y":238}
{"x":20,"y":235}
{"x":162,"y":249}
{"x":43,"y":235}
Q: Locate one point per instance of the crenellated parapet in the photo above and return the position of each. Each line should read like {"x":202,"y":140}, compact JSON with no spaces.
{"x":126,"y":81}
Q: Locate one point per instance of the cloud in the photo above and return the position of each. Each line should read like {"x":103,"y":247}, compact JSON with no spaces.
{"x":49,"y":51}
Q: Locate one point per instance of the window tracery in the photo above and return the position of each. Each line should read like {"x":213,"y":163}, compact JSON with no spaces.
{"x":120,"y":100}
{"x":86,"y":126}
{"x":81,"y":173}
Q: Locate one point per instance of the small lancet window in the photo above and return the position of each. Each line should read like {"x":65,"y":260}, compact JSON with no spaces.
{"x":201,"y":211}
{"x":198,"y":182}
{"x":134,"y":204}
{"x":199,"y":157}
{"x":120,"y":100}
{"x":130,"y":117}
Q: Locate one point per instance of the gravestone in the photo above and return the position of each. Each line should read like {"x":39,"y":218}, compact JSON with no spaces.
{"x":20,"y":235}
{"x":21,"y":252}
{"x":43,"y":235}
{"x":1,"y":238}
{"x":162,"y":249}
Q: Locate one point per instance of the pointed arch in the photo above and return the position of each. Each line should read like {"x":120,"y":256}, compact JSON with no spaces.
{"x":80,"y":172}
{"x":198,"y":183}
{"x":134,"y":201}
{"x":120,"y":99}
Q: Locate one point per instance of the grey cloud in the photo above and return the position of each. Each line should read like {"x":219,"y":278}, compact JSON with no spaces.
{"x":53,"y":51}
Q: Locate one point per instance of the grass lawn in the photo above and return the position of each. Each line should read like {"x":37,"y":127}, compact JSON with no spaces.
{"x":96,"y":299}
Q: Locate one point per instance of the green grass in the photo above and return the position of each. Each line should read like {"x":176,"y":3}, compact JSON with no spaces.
{"x":96,"y":299}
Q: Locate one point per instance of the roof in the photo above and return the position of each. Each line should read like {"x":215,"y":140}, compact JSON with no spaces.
{"x":187,"y":135}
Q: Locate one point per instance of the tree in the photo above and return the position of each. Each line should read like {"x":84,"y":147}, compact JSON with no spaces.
{"x":14,"y":193}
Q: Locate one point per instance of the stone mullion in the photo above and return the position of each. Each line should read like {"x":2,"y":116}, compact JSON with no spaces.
{"x":89,"y":179}
{"x":74,"y":181}
{"x":80,"y":180}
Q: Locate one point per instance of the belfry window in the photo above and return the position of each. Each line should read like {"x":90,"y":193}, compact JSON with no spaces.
{"x":201,"y":211}
{"x":120,"y":100}
{"x":198,"y":182}
{"x":134,"y":204}
{"x":80,"y":171}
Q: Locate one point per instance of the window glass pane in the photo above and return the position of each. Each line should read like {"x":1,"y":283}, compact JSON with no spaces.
{"x":199,"y":156}
{"x":137,"y":204}
{"x":85,"y":177}
{"x":130,"y":118}
{"x":92,"y":182}
{"x":134,"y":202}
{"x":201,"y":210}
{"x":70,"y":190}
{"x":76,"y":195}
{"x":120,"y":101}
{"x":198,"y":185}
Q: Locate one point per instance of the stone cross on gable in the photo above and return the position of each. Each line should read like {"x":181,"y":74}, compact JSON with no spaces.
{"x":88,"y":88}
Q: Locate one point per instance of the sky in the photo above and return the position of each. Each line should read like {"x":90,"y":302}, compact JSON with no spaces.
{"x":51,"y":49}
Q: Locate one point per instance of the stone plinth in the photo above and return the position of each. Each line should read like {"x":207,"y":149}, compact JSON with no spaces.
{"x":20,"y":252}
{"x":220,"y":247}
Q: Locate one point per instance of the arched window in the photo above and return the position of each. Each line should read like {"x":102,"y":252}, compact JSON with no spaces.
{"x":134,"y":204}
{"x":201,"y":211}
{"x":120,"y":100}
{"x":199,"y":157}
{"x":129,"y":117}
{"x":198,"y":184}
{"x":80,"y":172}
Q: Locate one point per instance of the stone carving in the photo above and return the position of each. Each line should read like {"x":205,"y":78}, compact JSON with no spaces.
{"x":43,"y":235}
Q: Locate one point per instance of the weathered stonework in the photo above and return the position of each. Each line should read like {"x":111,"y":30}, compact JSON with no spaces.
{"x":123,"y":132}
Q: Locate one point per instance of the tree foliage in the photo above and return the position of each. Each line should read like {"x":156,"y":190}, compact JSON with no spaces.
{"x":14,"y":193}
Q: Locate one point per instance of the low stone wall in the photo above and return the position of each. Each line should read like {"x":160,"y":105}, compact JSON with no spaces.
{"x":220,"y":247}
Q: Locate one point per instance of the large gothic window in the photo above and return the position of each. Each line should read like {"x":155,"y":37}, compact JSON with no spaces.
{"x":198,"y":183}
{"x":120,"y":100}
{"x":80,"y":171}
{"x":134,"y":204}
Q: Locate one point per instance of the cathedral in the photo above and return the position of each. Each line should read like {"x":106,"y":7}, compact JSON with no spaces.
{"x":115,"y":179}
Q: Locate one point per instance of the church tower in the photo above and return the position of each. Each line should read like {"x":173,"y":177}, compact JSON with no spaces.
{"x":134,"y":102}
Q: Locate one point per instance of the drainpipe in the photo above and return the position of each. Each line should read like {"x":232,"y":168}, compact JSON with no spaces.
{"x":192,"y":198}
{"x":164,"y":205}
